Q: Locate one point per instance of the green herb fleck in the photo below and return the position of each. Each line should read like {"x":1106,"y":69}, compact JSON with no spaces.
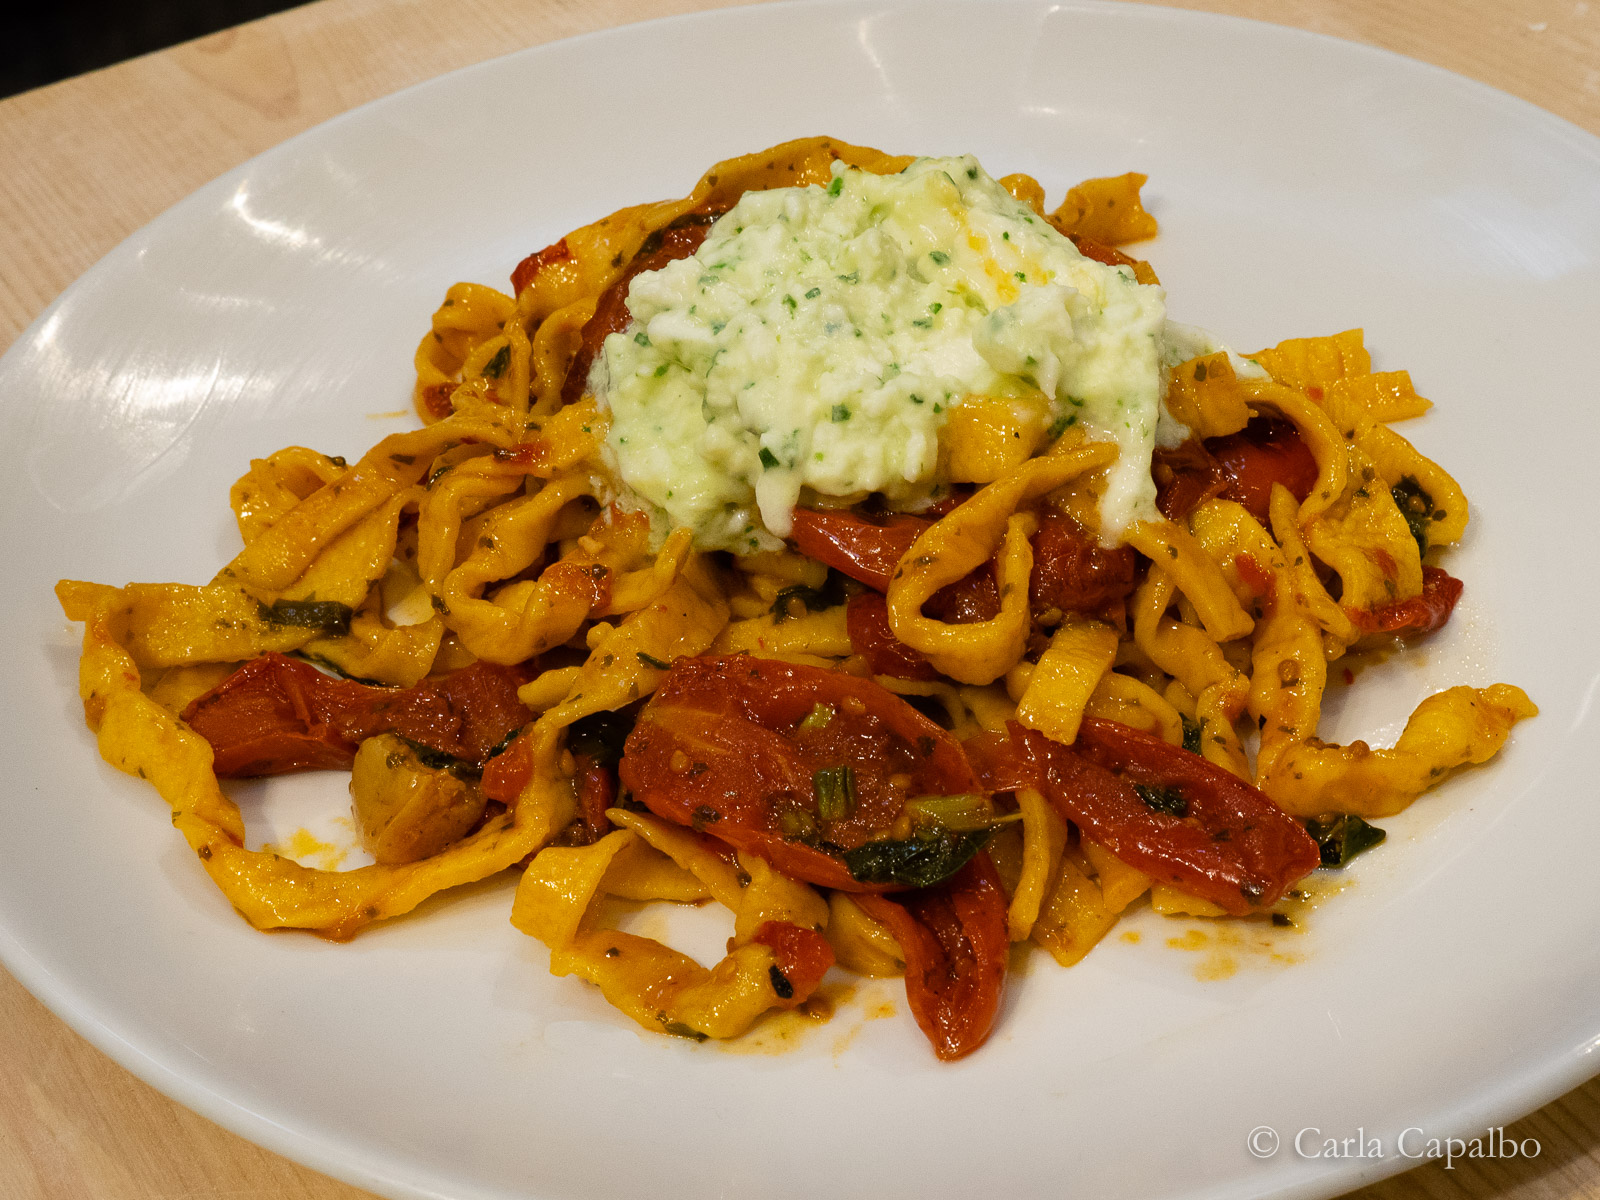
{"x":939,"y":256}
{"x":769,"y":460}
{"x":915,"y":862}
{"x":820,"y":717}
{"x":329,"y":616}
{"x":1167,"y":800}
{"x":497,"y":365}
{"x":650,"y":660}
{"x":1416,"y":506}
{"x":834,"y":789}
{"x":1342,"y":836}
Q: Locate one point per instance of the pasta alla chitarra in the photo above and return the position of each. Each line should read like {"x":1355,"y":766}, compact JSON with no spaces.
{"x":853,"y":543}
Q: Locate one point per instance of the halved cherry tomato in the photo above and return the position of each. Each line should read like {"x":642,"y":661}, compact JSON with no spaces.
{"x":277,"y":714}
{"x":597,"y":791}
{"x":1073,"y":572}
{"x":1420,"y":614}
{"x":803,"y":955}
{"x":867,"y":621}
{"x":754,"y":752}
{"x":528,"y":269}
{"x":1264,"y":452}
{"x":1171,"y":814}
{"x":867,"y":551}
{"x":1186,"y":477}
{"x":679,"y":240}
{"x":955,"y":944}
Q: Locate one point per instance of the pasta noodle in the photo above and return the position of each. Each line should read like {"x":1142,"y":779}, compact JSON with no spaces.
{"x":920,"y":732}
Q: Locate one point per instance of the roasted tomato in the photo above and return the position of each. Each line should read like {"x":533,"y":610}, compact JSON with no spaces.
{"x":1420,"y":614}
{"x":1264,"y":452}
{"x":810,"y":769}
{"x":1073,"y":572}
{"x":867,"y":621}
{"x":277,"y":714}
{"x":531,"y":267}
{"x":1186,"y":477}
{"x":1170,"y":813}
{"x":678,"y":240}
{"x":955,"y":944}
{"x":803,"y":955}
{"x":867,"y":551}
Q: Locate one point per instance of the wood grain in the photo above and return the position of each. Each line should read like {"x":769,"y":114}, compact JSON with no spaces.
{"x":86,"y":162}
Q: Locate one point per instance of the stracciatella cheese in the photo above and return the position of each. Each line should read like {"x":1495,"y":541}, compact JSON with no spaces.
{"x":820,"y":336}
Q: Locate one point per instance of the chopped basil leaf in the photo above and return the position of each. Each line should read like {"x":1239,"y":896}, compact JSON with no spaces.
{"x":497,"y":365}
{"x":1191,"y":734}
{"x":650,"y":660}
{"x":1342,"y":836}
{"x":679,"y":1029}
{"x":829,"y":595}
{"x":916,"y":862}
{"x":329,"y":616}
{"x":1167,"y":800}
{"x":600,"y":736}
{"x":1416,"y":506}
{"x":769,"y":460}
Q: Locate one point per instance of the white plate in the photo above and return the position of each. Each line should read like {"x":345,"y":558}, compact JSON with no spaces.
{"x":1304,"y":186}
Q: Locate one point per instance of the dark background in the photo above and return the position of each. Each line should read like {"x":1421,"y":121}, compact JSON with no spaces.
{"x":45,"y":40}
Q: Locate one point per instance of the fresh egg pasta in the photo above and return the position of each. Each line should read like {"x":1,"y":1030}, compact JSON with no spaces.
{"x":852,"y":543}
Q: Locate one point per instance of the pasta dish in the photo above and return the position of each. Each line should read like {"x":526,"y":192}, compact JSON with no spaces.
{"x":854,"y":543}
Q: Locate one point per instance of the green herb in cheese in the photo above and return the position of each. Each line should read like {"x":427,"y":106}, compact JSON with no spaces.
{"x":820,"y":336}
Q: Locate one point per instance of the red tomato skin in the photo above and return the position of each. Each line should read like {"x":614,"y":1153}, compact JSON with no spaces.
{"x":715,"y":749}
{"x":956,"y":945}
{"x":1235,"y":847}
{"x":1420,"y":614}
{"x":611,"y":314}
{"x":277,"y":714}
{"x":529,"y":268}
{"x":597,"y":791}
{"x":866,"y":551}
{"x":803,"y":955}
{"x":1073,"y":572}
{"x":1186,"y":477}
{"x":1264,"y":452}
{"x":507,"y":773}
{"x":867,"y":621}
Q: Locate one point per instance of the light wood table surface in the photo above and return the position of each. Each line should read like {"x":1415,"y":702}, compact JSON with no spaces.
{"x":85,"y":162}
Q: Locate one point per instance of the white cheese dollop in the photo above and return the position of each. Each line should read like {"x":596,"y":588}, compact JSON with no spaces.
{"x":820,"y":336}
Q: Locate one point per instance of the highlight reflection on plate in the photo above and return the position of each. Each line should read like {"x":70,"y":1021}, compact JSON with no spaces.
{"x":1303,"y":186}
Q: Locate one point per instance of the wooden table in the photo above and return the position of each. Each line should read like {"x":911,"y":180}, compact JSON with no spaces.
{"x":86,"y":162}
